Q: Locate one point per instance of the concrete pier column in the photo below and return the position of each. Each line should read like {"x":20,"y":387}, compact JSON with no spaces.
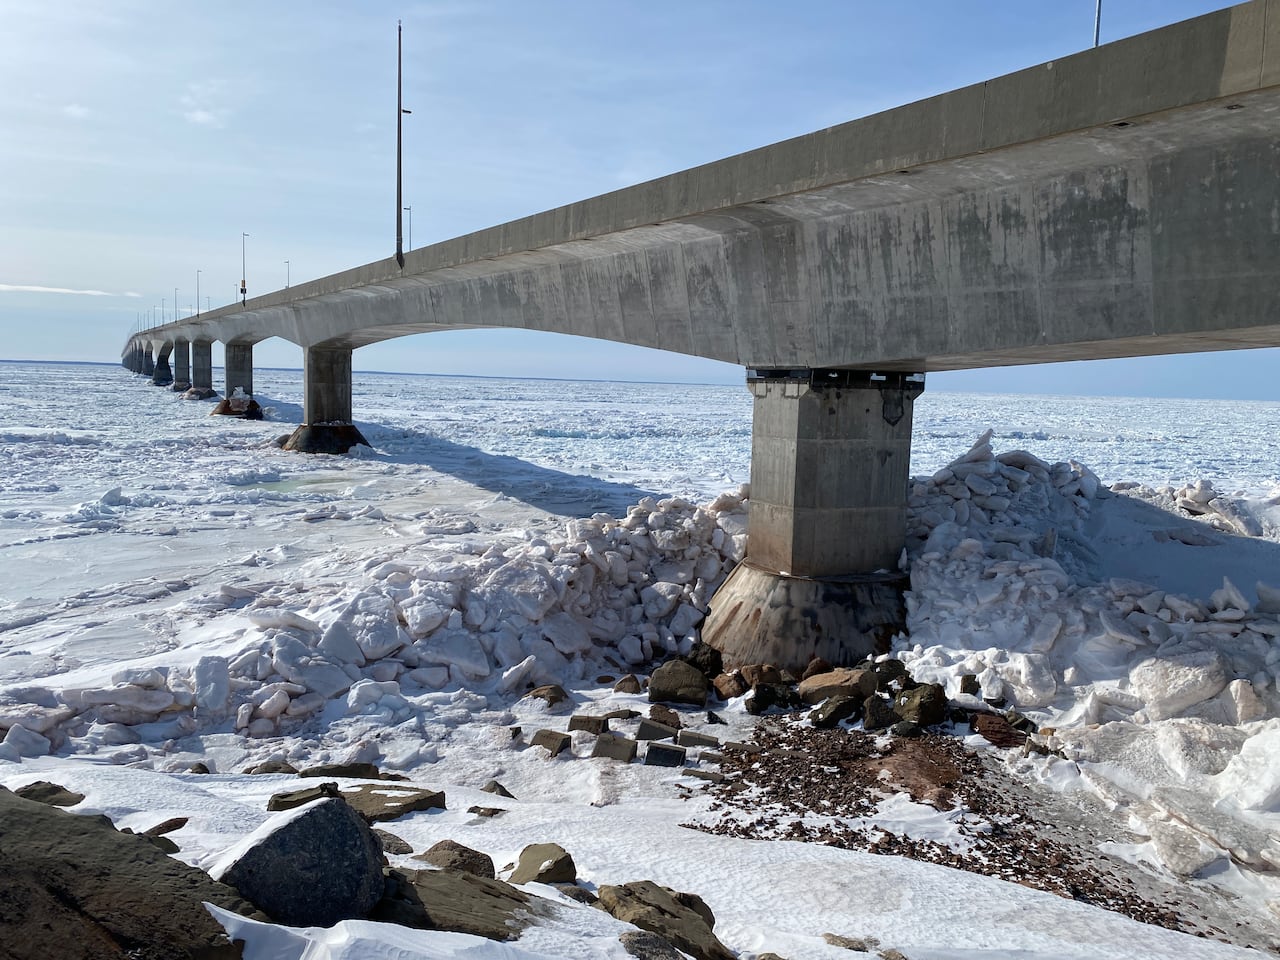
{"x":830,"y":462}
{"x":201,"y":370}
{"x":326,"y":406}
{"x":181,"y":365}
{"x":161,"y":375}
{"x":148,"y":364}
{"x":239,"y":373}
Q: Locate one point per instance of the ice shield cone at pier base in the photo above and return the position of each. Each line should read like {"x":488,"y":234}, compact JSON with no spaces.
{"x":830,"y":463}
{"x":762,"y":617}
{"x":325,"y":438}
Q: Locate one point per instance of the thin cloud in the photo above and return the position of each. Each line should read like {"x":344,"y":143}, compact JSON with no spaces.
{"x":75,"y":111}
{"x":28,"y":288}
{"x":200,"y":104}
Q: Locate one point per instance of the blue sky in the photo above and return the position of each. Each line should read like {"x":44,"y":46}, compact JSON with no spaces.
{"x":140,"y":140}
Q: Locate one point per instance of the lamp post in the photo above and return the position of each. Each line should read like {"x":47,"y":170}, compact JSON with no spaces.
{"x":400,"y":112}
{"x":175,"y":303}
{"x":409,"y":210}
{"x":197,"y":293}
{"x":162,"y":309}
{"x":1097,"y":22}
{"x":286,"y":274}
{"x":243,"y":288}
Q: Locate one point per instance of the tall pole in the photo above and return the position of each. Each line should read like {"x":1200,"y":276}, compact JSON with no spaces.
{"x":197,"y":293}
{"x":162,"y":309}
{"x":1097,"y":22}
{"x":243,"y":288}
{"x":175,"y":303}
{"x":400,"y":112}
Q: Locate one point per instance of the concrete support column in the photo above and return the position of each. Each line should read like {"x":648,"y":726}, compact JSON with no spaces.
{"x":830,"y":462}
{"x":239,"y":368}
{"x":202,"y":370}
{"x":148,"y":364}
{"x":161,"y":375}
{"x":239,"y":371}
{"x":181,"y":366}
{"x":326,"y":405}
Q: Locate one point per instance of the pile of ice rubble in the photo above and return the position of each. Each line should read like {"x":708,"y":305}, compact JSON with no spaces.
{"x":1174,"y":699}
{"x":612,"y":594}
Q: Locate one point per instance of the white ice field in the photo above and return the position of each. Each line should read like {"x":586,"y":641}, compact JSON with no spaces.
{"x":213,"y":598}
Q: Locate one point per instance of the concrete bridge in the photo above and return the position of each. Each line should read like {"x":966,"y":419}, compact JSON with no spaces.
{"x":1122,"y":201}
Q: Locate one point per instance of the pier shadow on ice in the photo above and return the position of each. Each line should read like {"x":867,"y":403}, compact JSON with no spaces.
{"x":555,"y":491}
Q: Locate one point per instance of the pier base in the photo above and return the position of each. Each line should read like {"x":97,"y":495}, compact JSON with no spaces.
{"x":763,"y":617}
{"x":325,"y":438}
{"x":326,"y":403}
{"x":830,"y":463}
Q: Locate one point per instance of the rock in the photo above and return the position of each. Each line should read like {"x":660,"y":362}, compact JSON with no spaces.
{"x":730,"y":685}
{"x":497,"y":789}
{"x":664,"y":755}
{"x":857,"y":682}
{"x":627,"y":684}
{"x":713,"y":717}
{"x":320,"y":866}
{"x":969,"y":684}
{"x":199,"y":767}
{"x":553,"y":741}
{"x":888,"y":672}
{"x":996,"y":730}
{"x":553,"y":693}
{"x":857,"y":944}
{"x":767,"y":695}
{"x":76,"y":889}
{"x":658,"y":910}
{"x":816,"y":666}
{"x":706,"y":659}
{"x":297,"y":798}
{"x":454,"y":856}
{"x":678,"y":682}
{"x":907,"y":729}
{"x":389,"y":801}
{"x":486,"y":811}
{"x":754,"y":673}
{"x":272,"y":766}
{"x":691,"y":738}
{"x":646,"y":945}
{"x":392,"y":844}
{"x":355,"y":771}
{"x":594,"y":725}
{"x":615,"y":747}
{"x":834,"y":710}
{"x":456,"y":901}
{"x":653,"y":730}
{"x":665,"y":715}
{"x":166,"y":826}
{"x":924,"y":705}
{"x":544,"y":863}
{"x":877,"y":713}
{"x":42,"y":791}
{"x":575,"y":892}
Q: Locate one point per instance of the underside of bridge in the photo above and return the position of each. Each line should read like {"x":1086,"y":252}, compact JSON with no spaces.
{"x":1122,"y":201}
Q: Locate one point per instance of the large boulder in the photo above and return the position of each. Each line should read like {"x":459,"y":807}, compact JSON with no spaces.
{"x":456,"y":901}
{"x":452,"y":855}
{"x":683,"y":919}
{"x":924,"y":705}
{"x":544,"y":863}
{"x":319,"y":864}
{"x":678,"y":682}
{"x":76,"y":889}
{"x":859,"y":682}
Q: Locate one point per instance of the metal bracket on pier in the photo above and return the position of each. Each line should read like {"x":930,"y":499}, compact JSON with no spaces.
{"x":895,"y":387}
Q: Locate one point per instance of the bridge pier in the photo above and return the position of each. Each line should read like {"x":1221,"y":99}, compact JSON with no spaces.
{"x":830,"y":463}
{"x":181,"y":365}
{"x":239,"y":372}
{"x":161,"y":375}
{"x":326,"y":405}
{"x":148,"y":364}
{"x":201,"y":370}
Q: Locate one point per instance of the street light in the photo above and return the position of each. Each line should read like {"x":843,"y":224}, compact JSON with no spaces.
{"x":197,"y":293}
{"x":400,"y":112}
{"x":175,"y":303}
{"x":243,"y":288}
{"x":409,"y":210}
{"x":162,"y":309}
{"x":1097,"y":22}
{"x":286,"y":274}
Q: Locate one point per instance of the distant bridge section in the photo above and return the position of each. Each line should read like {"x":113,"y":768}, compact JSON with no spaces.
{"x":1121,"y":201}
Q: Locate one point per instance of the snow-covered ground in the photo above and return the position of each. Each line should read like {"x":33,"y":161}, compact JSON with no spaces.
{"x":208,"y":597}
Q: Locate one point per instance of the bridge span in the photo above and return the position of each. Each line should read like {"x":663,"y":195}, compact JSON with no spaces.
{"x":1122,"y":201}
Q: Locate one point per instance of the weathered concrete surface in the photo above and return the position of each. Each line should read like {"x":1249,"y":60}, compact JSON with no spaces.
{"x":181,"y":365}
{"x":1120,"y":201}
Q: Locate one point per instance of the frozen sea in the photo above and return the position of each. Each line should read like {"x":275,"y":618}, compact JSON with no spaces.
{"x":138,"y":532}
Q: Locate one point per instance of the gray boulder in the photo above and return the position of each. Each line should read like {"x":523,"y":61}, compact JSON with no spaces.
{"x":452,"y":855}
{"x":646,"y":945}
{"x":678,"y":682}
{"x":924,"y":705}
{"x":544,"y":863}
{"x":321,"y":866}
